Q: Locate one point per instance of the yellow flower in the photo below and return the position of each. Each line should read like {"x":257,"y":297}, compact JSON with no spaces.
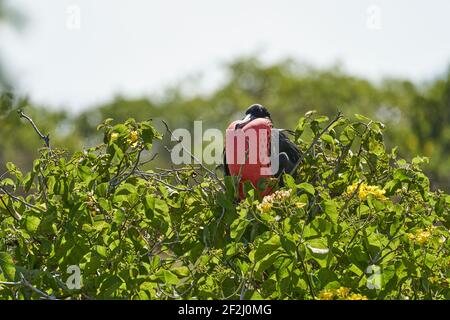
{"x":133,"y":136}
{"x":351,"y":189}
{"x":300,"y":204}
{"x":364,"y":190}
{"x":326,"y":295}
{"x":362,"y":194}
{"x":343,"y":292}
{"x":411,"y":236}
{"x":356,"y":296}
{"x":433,"y":279}
{"x":114,"y":136}
{"x":133,"y":140}
{"x":264,"y":207}
{"x":422,"y":236}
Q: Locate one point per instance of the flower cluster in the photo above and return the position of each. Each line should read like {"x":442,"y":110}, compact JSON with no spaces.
{"x":421,"y":236}
{"x":114,"y":136}
{"x":300,"y":205}
{"x":357,"y":296}
{"x":341,"y":293}
{"x":133,"y":140}
{"x":365,"y":189}
{"x":267,"y":202}
{"x":264,"y":206}
{"x":326,"y":295}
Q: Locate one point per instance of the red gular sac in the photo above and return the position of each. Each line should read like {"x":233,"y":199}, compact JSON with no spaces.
{"x":247,"y":152}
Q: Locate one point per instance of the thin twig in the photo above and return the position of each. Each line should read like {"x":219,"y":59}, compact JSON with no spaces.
{"x":43,"y":137}
{"x":313,"y":143}
{"x":134,"y":168}
{"x":15,"y":216}
{"x":8,"y":283}
{"x":149,"y":160}
{"x":20,"y":200}
{"x":26,"y":283}
{"x":142,"y":174}
{"x":211,"y":173}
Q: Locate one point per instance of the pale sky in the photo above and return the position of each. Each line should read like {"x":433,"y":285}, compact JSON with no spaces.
{"x":140,"y":47}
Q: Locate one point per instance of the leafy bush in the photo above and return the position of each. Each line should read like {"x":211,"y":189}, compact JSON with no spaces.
{"x":357,"y":222}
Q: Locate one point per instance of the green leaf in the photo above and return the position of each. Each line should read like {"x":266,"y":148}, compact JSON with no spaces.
{"x":289,"y":182}
{"x":7,"y":182}
{"x":318,"y":250}
{"x":167,"y":277}
{"x":331,"y":210}
{"x":32,"y":223}
{"x":11,"y":167}
{"x":119,"y":217}
{"x":328,"y":279}
{"x":126,"y":189}
{"x":161,"y":206}
{"x":347,"y":136}
{"x":307,"y":187}
{"x":102,"y":251}
{"x":28,"y":180}
{"x":362,"y":118}
{"x":267,"y":247}
{"x":85,"y":173}
{"x":327,"y":138}
{"x":7,"y":266}
{"x":321,"y":119}
{"x":300,"y":126}
{"x":224,"y":201}
{"x":180,"y":271}
{"x":265,"y":262}
{"x":230,"y":186}
{"x":109,"y":286}
{"x":87,"y":228}
{"x":238,"y":228}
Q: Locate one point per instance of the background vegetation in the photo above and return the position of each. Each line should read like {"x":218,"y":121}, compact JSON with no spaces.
{"x":416,"y":115}
{"x":357,"y":222}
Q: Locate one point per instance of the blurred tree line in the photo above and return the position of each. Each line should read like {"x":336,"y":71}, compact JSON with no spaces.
{"x":416,"y":115}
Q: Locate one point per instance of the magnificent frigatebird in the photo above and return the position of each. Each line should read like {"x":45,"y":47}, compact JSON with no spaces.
{"x":258,"y":116}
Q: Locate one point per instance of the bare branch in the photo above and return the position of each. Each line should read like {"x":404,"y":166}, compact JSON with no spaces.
{"x":43,"y":137}
{"x":132,"y":170}
{"x":313,"y":143}
{"x":211,"y":173}
{"x":149,"y":160}
{"x":26,"y":283}
{"x":20,"y":200}
{"x":14,"y":214}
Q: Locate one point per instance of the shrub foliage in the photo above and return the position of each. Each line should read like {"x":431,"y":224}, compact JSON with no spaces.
{"x":356,"y":222}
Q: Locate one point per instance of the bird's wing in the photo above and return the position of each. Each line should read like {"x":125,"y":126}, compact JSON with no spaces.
{"x":290,"y":148}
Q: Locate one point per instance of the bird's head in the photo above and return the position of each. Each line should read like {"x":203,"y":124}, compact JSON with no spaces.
{"x":256,"y":111}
